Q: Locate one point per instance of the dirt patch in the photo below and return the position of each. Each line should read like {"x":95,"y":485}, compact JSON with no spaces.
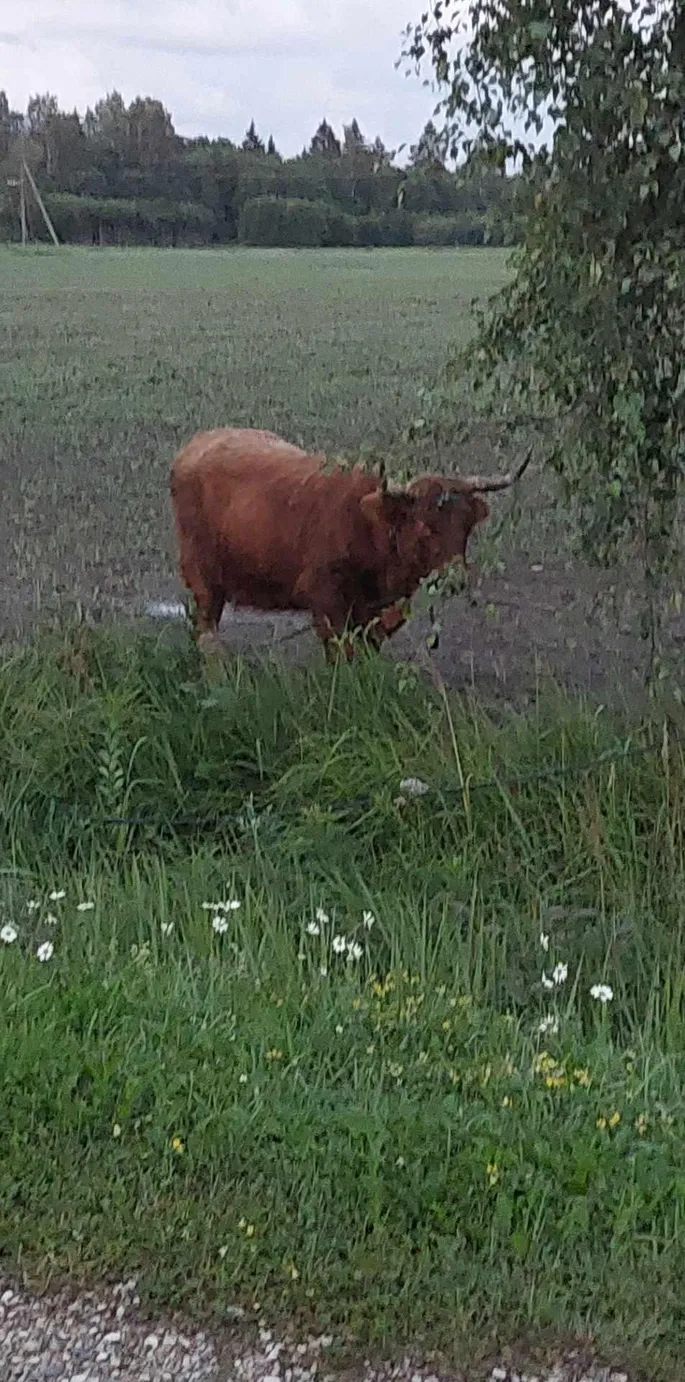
{"x":507,"y":636}
{"x":504,"y":637}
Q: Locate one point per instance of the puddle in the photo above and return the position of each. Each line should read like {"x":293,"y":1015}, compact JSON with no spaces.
{"x":165,"y":609}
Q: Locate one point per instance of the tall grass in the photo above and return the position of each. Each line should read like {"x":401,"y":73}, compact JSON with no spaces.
{"x":352,"y":1097}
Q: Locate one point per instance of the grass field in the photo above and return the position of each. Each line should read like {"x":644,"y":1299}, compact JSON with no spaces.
{"x":372,"y":1092}
{"x":110,"y":360}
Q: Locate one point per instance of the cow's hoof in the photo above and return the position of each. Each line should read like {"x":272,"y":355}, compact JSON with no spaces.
{"x":209,"y":645}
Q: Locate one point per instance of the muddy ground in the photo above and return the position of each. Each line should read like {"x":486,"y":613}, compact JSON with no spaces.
{"x":505,"y":637}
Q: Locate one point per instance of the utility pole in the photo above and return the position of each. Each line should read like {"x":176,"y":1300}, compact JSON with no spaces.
{"x":22,"y":203}
{"x":51,"y":229}
{"x":25,"y":175}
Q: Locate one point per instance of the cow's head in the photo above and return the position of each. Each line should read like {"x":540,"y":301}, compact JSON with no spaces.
{"x":451,"y":507}
{"x":450,"y":514}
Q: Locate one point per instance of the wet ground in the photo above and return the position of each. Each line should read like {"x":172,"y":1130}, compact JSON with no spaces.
{"x":504,"y":637}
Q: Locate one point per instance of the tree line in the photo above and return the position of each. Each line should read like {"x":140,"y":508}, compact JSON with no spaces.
{"x":121,"y":175}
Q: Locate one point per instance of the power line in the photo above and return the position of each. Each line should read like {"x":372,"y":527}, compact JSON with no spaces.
{"x":625,"y":753}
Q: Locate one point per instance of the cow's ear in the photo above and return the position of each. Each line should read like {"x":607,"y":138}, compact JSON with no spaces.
{"x":388,"y":505}
{"x":373,"y":505}
{"x":482,"y":510}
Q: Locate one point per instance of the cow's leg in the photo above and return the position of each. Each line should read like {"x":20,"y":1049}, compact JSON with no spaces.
{"x":331,"y":626}
{"x":386,"y":626}
{"x":392,"y":620}
{"x":209,"y":597}
{"x":325,"y":631}
{"x":377,"y":628}
{"x":319,"y":593}
{"x":209,"y":604}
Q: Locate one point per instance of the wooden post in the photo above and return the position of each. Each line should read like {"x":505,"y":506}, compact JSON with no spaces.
{"x":22,"y":203}
{"x":40,"y":201}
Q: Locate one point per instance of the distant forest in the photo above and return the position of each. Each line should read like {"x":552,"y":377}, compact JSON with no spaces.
{"x":121,"y":175}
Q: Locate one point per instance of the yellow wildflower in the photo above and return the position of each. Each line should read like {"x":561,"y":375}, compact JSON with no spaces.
{"x":274,"y":1054}
{"x":641,"y":1124}
{"x":544,"y":1063}
{"x":582,"y":1076}
{"x":176,"y":1145}
{"x":492,"y":1172}
{"x":611,"y":1122}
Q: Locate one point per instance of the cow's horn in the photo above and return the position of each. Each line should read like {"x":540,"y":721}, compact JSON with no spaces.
{"x":484,"y":484}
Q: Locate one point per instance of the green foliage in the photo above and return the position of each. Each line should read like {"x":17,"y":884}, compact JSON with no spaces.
{"x":379,"y":1132}
{"x":124,"y":220}
{"x":189,"y":191}
{"x":394,"y":228}
{"x":293,"y":222}
{"x":589,"y":335}
{"x":466,"y":229}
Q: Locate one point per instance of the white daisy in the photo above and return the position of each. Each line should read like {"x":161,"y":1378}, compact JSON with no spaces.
{"x":220,"y":925}
{"x":368,"y":920}
{"x":339,"y":945}
{"x":602,"y":992}
{"x":313,"y":929}
{"x":560,"y":974}
{"x":414,"y":787}
{"x":8,"y":934}
{"x":45,"y":951}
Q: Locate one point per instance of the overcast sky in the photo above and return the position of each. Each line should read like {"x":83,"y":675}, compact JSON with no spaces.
{"x":217,"y":64}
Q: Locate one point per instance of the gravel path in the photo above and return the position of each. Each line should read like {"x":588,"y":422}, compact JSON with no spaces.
{"x":101,"y":1338}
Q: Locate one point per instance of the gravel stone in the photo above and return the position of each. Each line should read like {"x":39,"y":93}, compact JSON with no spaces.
{"x":101,"y":1338}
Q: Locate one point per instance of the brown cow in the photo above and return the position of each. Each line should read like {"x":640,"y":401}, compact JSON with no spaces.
{"x":261,"y":523}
